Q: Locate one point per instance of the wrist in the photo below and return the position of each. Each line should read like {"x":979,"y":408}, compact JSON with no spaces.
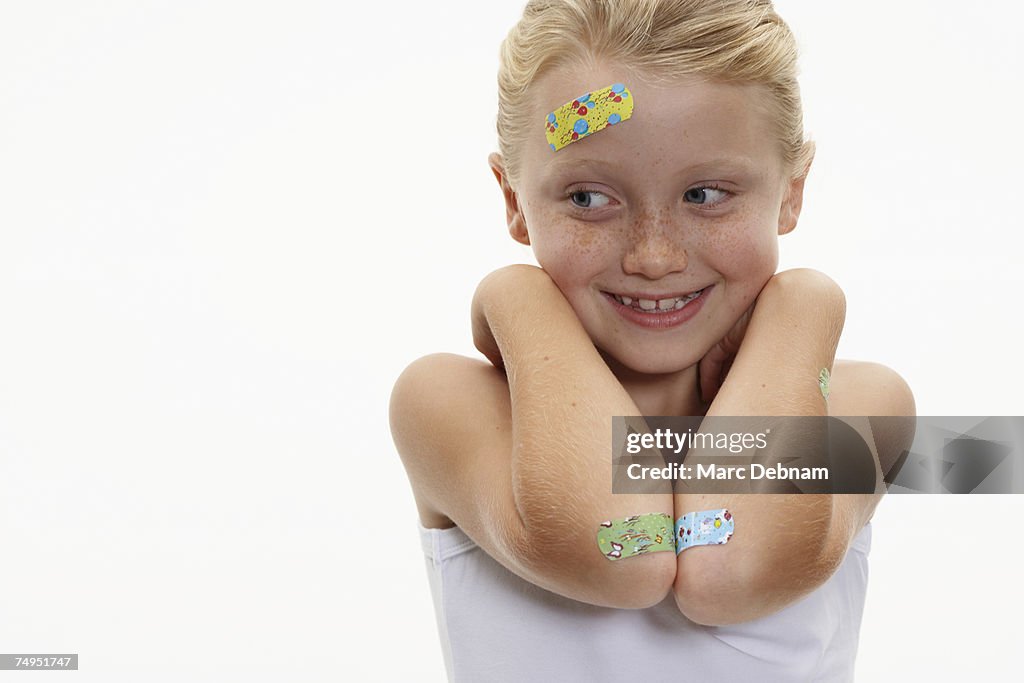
{"x":805,"y":293}
{"x":511,"y":287}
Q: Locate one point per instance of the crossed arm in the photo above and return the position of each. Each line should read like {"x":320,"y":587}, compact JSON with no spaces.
{"x":519,"y":460}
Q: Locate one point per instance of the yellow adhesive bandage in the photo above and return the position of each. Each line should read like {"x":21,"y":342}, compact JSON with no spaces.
{"x":588,"y":114}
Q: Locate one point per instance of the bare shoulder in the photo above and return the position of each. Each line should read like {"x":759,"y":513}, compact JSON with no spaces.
{"x":875,"y":391}
{"x":866,"y":388}
{"x":445,"y":408}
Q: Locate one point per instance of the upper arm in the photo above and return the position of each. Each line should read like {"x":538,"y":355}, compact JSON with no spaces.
{"x":878,"y":393}
{"x":885,"y":402}
{"x":451,"y":423}
{"x":451,"y":419}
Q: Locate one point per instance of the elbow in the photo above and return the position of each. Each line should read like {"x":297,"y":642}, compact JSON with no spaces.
{"x":706,"y":595}
{"x":641,"y":585}
{"x":559,"y":544}
{"x":636,"y":582}
{"x":586,"y":575}
{"x":712,"y":591}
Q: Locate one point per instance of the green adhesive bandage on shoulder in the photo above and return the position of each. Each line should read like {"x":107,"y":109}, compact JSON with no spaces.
{"x":823,"y":381}
{"x":636,"y":535}
{"x":708,"y":527}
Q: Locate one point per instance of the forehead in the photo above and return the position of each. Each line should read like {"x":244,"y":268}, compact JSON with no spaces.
{"x":682,"y":124}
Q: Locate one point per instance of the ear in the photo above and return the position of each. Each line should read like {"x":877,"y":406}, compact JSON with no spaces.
{"x":793,"y":201}
{"x":513,"y":212}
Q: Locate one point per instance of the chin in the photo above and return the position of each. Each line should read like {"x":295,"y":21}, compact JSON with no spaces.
{"x":650,"y":365}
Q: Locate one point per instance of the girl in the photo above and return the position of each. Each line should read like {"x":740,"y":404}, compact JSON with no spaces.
{"x":655,"y":224}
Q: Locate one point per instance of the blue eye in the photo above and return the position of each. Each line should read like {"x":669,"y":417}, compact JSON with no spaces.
{"x":697,"y":195}
{"x":586,"y":199}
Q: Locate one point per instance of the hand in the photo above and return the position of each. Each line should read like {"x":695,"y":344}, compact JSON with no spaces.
{"x":483,"y":337}
{"x":508,"y":281}
{"x":714,"y":366}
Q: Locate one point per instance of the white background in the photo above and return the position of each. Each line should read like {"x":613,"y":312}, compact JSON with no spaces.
{"x":226,"y":227}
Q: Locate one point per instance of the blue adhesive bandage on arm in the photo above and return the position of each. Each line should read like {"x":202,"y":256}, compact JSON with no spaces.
{"x":709,"y":527}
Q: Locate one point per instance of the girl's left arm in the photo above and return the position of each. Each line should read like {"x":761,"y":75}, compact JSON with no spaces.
{"x":786,"y":545}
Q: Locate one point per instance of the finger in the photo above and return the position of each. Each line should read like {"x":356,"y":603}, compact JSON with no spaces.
{"x":725,"y":370}
{"x":494,"y":355}
{"x":708,"y":371}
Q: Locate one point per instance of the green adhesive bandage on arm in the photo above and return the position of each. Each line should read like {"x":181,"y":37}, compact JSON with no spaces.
{"x":709,"y":527}
{"x":636,"y":535}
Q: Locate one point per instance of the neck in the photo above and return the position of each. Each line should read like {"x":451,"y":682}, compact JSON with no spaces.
{"x":674,"y":393}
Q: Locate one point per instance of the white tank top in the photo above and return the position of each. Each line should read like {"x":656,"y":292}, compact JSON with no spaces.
{"x":496,"y":627}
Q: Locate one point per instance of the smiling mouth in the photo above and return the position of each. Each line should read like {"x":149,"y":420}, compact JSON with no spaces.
{"x":656,"y":305}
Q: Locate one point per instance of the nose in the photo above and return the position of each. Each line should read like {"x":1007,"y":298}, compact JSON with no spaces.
{"x":655,"y":250}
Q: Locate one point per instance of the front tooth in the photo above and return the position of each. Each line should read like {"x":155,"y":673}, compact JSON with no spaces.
{"x":681,"y":302}
{"x":626,"y":300}
{"x":647,"y":304}
{"x":665,"y":304}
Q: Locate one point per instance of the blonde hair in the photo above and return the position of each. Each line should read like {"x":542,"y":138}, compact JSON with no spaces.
{"x":724,"y":41}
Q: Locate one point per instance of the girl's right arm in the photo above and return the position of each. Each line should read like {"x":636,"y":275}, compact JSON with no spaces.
{"x":521,"y":464}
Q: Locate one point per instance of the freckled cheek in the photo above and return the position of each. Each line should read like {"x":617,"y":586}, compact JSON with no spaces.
{"x":745,"y":253}
{"x":571,"y":253}
{"x":567,"y":263}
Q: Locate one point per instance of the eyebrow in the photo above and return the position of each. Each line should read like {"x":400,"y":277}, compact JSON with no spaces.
{"x":566,"y":163}
{"x":728,"y":164}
